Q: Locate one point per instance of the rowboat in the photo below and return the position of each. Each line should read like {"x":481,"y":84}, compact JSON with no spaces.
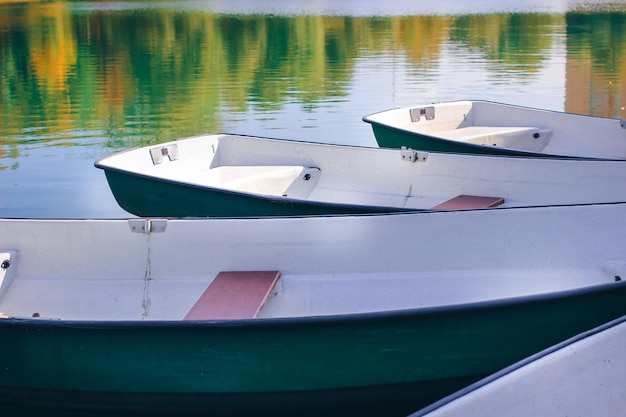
{"x":583,"y":376}
{"x":482,"y":127}
{"x":334,"y":315}
{"x":229,"y":175}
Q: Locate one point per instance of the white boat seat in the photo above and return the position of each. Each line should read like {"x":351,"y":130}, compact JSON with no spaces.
{"x":285,"y":181}
{"x":234,"y":295}
{"x":532,"y":139}
{"x":469,"y":202}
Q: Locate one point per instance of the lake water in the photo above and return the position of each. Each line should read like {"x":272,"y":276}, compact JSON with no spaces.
{"x":80,"y":80}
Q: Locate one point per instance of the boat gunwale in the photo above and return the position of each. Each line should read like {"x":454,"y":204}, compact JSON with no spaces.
{"x":318,"y":320}
{"x":498,"y":103}
{"x":403,"y":212}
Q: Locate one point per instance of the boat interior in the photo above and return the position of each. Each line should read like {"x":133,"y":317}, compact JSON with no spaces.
{"x":302,"y":266}
{"x":470,"y":124}
{"x":228,"y":295}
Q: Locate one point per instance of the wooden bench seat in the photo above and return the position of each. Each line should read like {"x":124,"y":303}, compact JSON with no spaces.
{"x":234,"y":295}
{"x":469,"y":202}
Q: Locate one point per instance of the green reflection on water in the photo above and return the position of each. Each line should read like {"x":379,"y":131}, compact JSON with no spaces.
{"x":118,"y":74}
{"x":79,"y":80}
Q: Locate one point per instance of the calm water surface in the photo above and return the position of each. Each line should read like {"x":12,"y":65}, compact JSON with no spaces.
{"x":81,"y":80}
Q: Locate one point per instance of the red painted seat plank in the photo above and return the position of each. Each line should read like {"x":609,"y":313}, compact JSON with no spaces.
{"x":467,"y":202}
{"x":234,"y":295}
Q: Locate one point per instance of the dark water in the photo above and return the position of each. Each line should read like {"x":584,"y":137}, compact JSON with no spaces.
{"x":80,"y":80}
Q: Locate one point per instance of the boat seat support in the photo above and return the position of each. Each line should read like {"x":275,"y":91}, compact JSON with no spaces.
{"x":235,"y":295}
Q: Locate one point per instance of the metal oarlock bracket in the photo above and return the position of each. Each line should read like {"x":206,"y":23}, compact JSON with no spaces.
{"x":427,"y":112}
{"x":147,"y":225}
{"x":411,"y":155}
{"x":169,"y":151}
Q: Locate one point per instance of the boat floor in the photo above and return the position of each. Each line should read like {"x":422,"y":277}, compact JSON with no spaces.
{"x":114,"y":298}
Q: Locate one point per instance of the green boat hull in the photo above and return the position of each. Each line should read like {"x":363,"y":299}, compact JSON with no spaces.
{"x":152,"y":197}
{"x":390,"y":363}
{"x":389,"y":137}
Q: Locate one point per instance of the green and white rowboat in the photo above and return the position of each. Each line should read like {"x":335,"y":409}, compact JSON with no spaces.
{"x":345,"y":315}
{"x":243,"y":176}
{"x":482,"y":127}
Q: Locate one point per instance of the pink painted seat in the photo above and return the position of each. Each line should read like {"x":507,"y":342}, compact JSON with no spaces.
{"x":469,"y":202}
{"x":234,"y":295}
